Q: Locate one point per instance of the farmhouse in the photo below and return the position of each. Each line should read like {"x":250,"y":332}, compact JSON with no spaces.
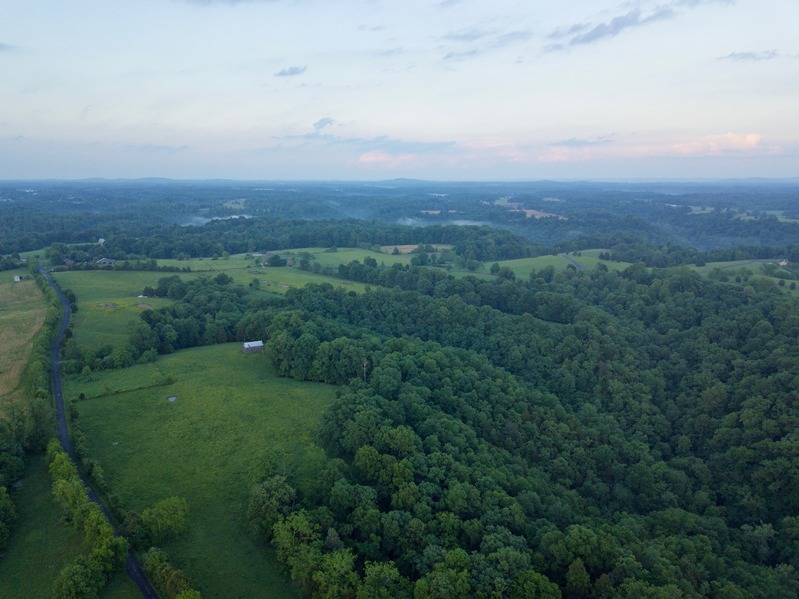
{"x":105,"y":261}
{"x":252,"y":347}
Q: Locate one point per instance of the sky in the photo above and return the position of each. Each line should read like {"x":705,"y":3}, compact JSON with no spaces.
{"x":374,"y":89}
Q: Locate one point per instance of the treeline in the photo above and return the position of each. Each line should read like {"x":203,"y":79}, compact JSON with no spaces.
{"x":88,"y":574}
{"x":652,"y":428}
{"x":243,"y":235}
{"x":10,"y":262}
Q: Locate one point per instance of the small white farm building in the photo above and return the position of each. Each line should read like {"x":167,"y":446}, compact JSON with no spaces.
{"x":252,"y":347}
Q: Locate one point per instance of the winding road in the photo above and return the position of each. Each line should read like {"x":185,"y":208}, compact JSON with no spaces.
{"x":574,"y":262}
{"x":132,"y":566}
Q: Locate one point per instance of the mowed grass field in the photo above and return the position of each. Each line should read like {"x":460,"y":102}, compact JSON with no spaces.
{"x":22,"y":312}
{"x":229,"y":409}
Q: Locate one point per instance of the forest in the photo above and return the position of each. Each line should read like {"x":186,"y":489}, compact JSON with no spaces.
{"x":595,"y":432}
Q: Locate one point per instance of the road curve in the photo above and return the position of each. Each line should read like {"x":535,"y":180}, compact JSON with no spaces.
{"x":132,"y":566}
{"x":574,"y":262}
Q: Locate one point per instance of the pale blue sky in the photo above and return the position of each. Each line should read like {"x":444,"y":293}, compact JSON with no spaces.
{"x":372,"y":89}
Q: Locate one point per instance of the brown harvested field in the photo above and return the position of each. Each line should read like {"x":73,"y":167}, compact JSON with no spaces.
{"x":22,"y":311}
{"x":407,"y":249}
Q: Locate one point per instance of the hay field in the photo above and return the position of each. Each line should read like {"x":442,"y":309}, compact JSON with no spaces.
{"x":22,"y":313}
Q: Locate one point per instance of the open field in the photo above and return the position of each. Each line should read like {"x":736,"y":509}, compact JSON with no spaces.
{"x":407,"y":249}
{"x":40,"y":545}
{"x":732,"y":266}
{"x":229,"y":410}
{"x":22,"y":312}
{"x":346,"y":255}
{"x":522,"y":267}
{"x":107,"y":301}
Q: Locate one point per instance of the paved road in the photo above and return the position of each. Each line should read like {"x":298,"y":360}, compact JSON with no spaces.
{"x":132,"y":566}
{"x":576,"y":264}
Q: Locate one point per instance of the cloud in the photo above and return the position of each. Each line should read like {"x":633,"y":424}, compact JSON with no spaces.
{"x":156,"y":149}
{"x":615,"y":26}
{"x":590,"y":32}
{"x":6,"y":47}
{"x":750,"y":56}
{"x":471,"y":35}
{"x":322,"y":123}
{"x":291,"y":72}
{"x":231,"y":2}
{"x":487,"y":41}
{"x":581,"y":143}
{"x":725,"y":143}
{"x":365,"y":145}
{"x":379,"y":158}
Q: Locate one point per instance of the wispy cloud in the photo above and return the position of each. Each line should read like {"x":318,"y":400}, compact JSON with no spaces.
{"x":481,"y":41}
{"x":472,"y":35}
{"x":750,"y":56}
{"x":581,"y":143}
{"x":6,"y":47}
{"x":156,"y":149}
{"x":589,"y":32}
{"x":388,"y":145}
{"x":231,"y":2}
{"x":291,"y":72}
{"x":612,"y":28}
{"x":724,"y":143}
{"x":322,"y":123}
{"x":384,"y":159}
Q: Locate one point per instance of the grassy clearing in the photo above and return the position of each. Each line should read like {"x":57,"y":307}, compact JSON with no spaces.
{"x":22,"y":312}
{"x":588,"y":259}
{"x":407,"y":249}
{"x":40,"y":545}
{"x":107,"y":301}
{"x":230,"y":409}
{"x":347,"y":255}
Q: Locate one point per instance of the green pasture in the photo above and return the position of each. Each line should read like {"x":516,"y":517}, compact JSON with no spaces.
{"x":324,"y":257}
{"x":107,"y":301}
{"x":588,"y":259}
{"x":209,"y":264}
{"x":40,"y":545}
{"x":229,"y":410}
{"x":275,"y":279}
{"x":732,"y":266}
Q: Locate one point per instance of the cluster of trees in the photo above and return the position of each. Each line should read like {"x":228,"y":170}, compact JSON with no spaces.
{"x":88,"y":574}
{"x":171,"y":582}
{"x":10,"y":262}
{"x":643,"y":448}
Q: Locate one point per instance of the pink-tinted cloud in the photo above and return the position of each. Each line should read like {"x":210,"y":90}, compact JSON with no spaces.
{"x":714,"y":145}
{"x":381,"y":158}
